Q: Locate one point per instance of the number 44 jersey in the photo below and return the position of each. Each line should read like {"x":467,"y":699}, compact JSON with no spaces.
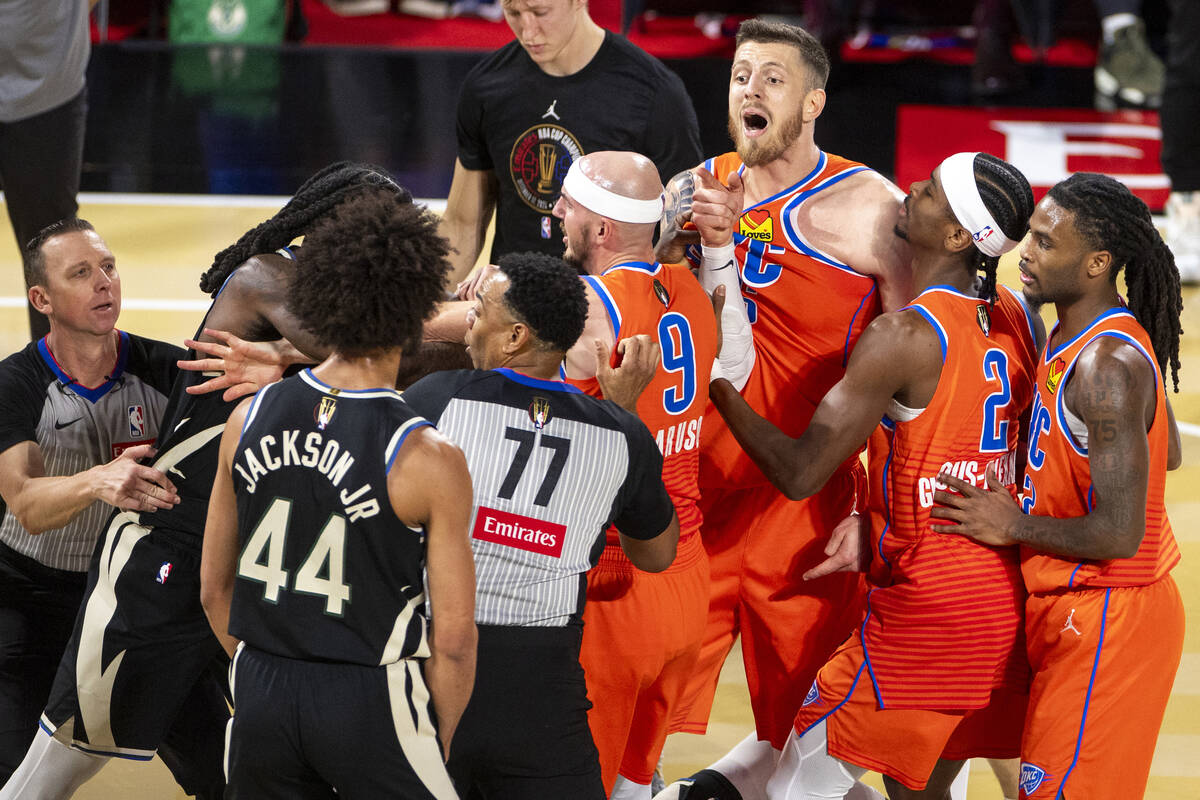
{"x":327,"y":572}
{"x":552,"y":468}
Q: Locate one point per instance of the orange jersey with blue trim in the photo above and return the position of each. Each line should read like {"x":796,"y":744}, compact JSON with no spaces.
{"x":944,"y":620}
{"x":1058,"y":479}
{"x":666,"y":302}
{"x":807,"y":310}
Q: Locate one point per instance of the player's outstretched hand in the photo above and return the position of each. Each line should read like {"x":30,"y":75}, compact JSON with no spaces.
{"x":624,"y":384}
{"x":717,"y":207}
{"x":985,"y":515}
{"x":469,"y":288}
{"x":240,"y":367}
{"x":131,"y":486}
{"x":847,"y":549}
{"x":673,"y":237}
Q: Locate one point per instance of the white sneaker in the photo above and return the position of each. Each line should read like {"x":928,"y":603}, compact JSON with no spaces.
{"x":1183,"y":233}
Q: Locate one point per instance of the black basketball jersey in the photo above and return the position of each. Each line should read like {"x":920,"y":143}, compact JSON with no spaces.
{"x":327,"y":572}
{"x":189,"y":448}
{"x":551,"y":468}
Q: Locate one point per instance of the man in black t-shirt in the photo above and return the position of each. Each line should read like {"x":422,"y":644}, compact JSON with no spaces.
{"x":563,"y":88}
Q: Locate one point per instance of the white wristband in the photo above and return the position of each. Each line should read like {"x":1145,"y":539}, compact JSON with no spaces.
{"x":719,"y":267}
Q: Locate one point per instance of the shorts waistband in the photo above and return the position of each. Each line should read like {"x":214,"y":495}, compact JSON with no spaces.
{"x":689,"y":550}
{"x":530,"y":635}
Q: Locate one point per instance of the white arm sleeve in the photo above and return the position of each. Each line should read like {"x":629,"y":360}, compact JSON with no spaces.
{"x":719,"y":267}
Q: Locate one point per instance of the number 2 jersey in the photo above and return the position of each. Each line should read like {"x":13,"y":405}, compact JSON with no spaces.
{"x":807,"y":310}
{"x":943,"y":624}
{"x":327,"y":572}
{"x":1058,"y":479}
{"x":552,"y":468}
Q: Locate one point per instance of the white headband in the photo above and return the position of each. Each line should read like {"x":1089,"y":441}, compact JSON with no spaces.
{"x":609,"y":204}
{"x":958,"y":182}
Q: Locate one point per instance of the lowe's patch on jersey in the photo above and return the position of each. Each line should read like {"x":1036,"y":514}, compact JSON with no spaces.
{"x":523,"y":533}
{"x":1032,"y":776}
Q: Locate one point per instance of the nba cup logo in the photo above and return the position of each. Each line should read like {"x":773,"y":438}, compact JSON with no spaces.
{"x":547,"y":157}
{"x":539,"y":412}
{"x":538,"y":163}
{"x":984,"y":319}
{"x":324,"y":412}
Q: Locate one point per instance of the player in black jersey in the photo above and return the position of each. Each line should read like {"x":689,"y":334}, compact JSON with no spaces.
{"x":552,"y":468}
{"x":142,"y":659}
{"x":342,"y":503}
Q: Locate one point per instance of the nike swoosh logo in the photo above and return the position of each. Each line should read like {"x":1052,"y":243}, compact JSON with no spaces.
{"x":58,"y":426}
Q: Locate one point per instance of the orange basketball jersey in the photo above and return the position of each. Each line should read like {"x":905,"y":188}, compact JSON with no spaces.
{"x":807,"y":310}
{"x":944,"y":617}
{"x":1058,"y":478}
{"x":666,"y":302}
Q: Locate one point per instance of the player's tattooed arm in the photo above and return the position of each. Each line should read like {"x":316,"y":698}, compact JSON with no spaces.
{"x":677,"y":210}
{"x":1112,"y":393}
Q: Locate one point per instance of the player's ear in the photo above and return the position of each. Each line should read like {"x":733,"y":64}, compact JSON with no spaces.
{"x":814,"y":104}
{"x":1098,"y":263}
{"x":958,"y":239}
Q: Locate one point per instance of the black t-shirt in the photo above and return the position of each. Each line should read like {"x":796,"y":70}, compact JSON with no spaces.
{"x":528,"y":127}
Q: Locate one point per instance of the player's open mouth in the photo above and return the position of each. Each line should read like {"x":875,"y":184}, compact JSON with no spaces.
{"x":753,"y":123}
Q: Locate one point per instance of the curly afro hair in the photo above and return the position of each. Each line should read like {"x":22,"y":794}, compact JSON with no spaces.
{"x":374,"y":268}
{"x":547,"y":295}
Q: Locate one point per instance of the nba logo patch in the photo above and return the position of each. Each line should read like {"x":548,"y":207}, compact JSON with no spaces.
{"x":982,"y":234}
{"x":163,"y":572}
{"x":137,"y":422}
{"x":813,"y":696}
{"x":546,"y":227}
{"x":1031,"y":778}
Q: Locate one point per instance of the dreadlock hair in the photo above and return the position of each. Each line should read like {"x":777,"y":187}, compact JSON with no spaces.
{"x":315,"y":197}
{"x":547,"y":295}
{"x":35,"y":259}
{"x":1006,"y":195}
{"x":373,"y":271}
{"x":1112,"y":218}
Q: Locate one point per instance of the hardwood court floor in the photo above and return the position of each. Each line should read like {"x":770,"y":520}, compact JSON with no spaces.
{"x":163,"y":243}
